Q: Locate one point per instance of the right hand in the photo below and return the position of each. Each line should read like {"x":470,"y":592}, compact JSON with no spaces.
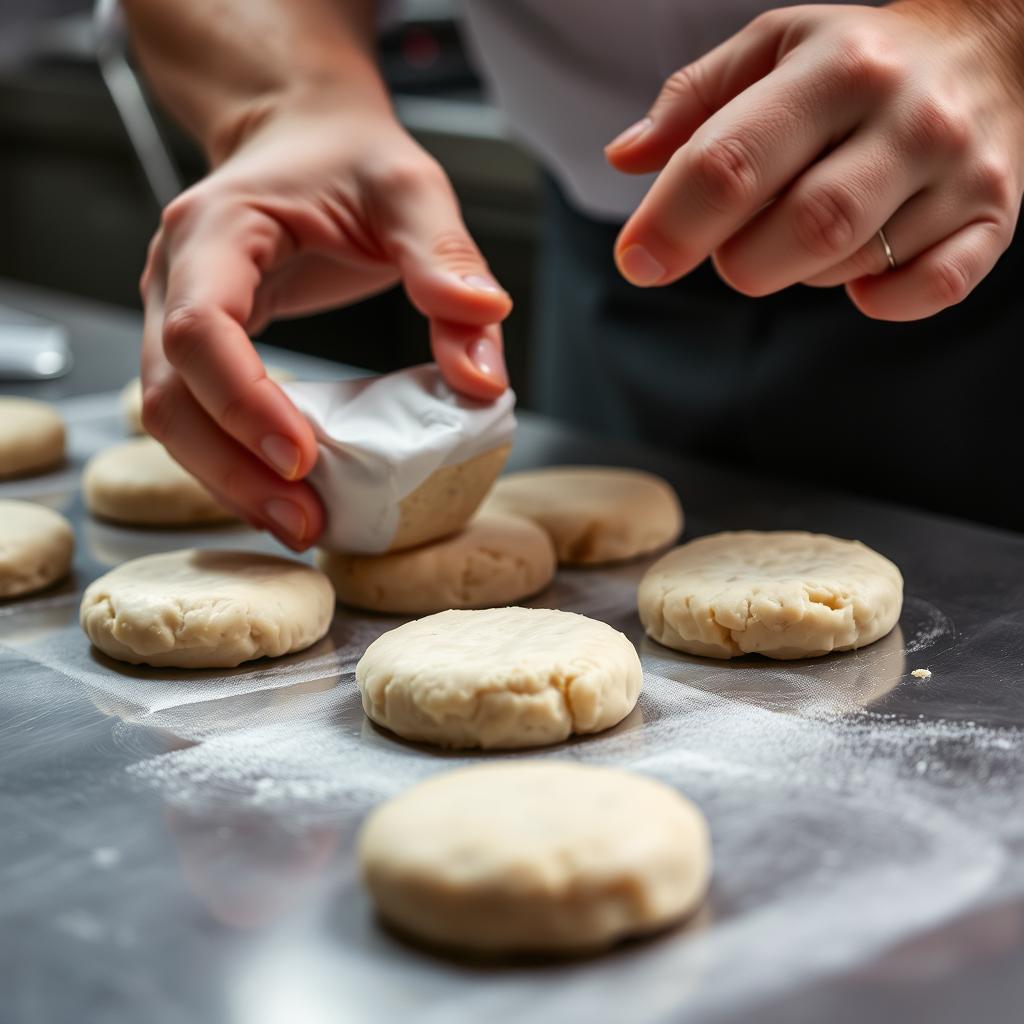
{"x":315,"y":207}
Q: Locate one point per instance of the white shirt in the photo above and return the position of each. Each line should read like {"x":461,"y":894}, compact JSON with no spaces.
{"x":571,"y":74}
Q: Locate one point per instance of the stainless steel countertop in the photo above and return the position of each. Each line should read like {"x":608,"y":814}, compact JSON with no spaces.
{"x":179,"y":849}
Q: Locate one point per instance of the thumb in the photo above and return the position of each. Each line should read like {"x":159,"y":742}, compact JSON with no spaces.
{"x":448,"y":281}
{"x":691,"y":95}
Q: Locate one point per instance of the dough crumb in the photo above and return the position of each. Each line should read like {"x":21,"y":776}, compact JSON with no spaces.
{"x":921,"y":673}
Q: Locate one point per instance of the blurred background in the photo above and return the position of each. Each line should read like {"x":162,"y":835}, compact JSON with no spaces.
{"x":77,"y":210}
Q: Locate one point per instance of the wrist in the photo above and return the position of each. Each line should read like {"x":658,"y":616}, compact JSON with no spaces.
{"x":996,"y":26}
{"x":312,"y":95}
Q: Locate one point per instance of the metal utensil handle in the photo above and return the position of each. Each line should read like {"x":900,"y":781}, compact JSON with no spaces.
{"x":130,"y":101}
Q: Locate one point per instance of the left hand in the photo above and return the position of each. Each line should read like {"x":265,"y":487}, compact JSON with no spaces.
{"x":785,"y":150}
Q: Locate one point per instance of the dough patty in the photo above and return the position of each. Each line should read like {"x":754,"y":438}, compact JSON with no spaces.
{"x":36,"y":545}
{"x":31,"y":437}
{"x":447,"y":499}
{"x":500,"y":678}
{"x":206,"y":609}
{"x":495,"y":560}
{"x":535,"y":857}
{"x":594,"y":515}
{"x":784,"y":595}
{"x":138,"y":482}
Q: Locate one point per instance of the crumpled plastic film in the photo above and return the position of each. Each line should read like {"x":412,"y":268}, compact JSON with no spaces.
{"x":381,"y":437}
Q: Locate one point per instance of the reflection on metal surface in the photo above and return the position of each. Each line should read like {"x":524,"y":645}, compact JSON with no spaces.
{"x":177,"y":702}
{"x":32,"y":348}
{"x":28,"y":620}
{"x":834,"y":684}
{"x":110,"y":545}
{"x":250,"y":868}
{"x":838,"y":837}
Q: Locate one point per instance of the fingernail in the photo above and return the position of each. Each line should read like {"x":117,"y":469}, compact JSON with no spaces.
{"x":486,"y":356}
{"x":480,"y":283}
{"x":281,"y":454}
{"x":639,"y":267}
{"x":288,"y":517}
{"x":631,"y":134}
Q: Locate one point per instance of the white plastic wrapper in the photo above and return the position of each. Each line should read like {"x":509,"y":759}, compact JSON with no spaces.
{"x":380,"y":438}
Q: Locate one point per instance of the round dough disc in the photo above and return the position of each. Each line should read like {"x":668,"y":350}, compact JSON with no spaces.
{"x":137,"y":482}
{"x":36,"y":545}
{"x":502,"y":678}
{"x":535,"y":857}
{"x":594,"y":515}
{"x":495,"y":560}
{"x":206,"y":609}
{"x":784,"y":595}
{"x":447,"y":499}
{"x":31,"y":437}
{"x":131,"y":398}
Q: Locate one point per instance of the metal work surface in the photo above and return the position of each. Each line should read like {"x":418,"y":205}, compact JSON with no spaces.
{"x":178,"y":846}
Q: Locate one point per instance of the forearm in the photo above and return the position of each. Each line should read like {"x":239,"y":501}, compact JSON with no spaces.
{"x":220,"y":66}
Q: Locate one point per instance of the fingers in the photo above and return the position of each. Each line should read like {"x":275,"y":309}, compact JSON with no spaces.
{"x":213,"y":274}
{"x":448,"y":280}
{"x":690,"y":96}
{"x":940,"y":277}
{"x":240,"y":481}
{"x":827,"y":215}
{"x":291,"y":511}
{"x":470,"y":359}
{"x":922,"y":222}
{"x":739,"y":160}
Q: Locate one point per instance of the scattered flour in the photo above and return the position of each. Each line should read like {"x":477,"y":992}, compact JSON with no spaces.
{"x":903,"y":821}
{"x":844,"y":830}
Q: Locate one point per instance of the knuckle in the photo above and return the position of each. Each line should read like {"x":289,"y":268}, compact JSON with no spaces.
{"x":158,"y":404}
{"x":456,"y":250}
{"x":826,"y":221}
{"x":181,"y":209}
{"x":684,"y":82}
{"x":994,"y":182}
{"x":937,"y":125}
{"x":867,"y":60}
{"x":234,"y":413}
{"x":768,"y":21}
{"x":1002,"y":229}
{"x":949,"y":282}
{"x":407,"y":174}
{"x":725,"y":173}
{"x":184,"y":328}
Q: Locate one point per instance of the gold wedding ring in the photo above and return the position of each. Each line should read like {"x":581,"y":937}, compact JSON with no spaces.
{"x":888,"y":248}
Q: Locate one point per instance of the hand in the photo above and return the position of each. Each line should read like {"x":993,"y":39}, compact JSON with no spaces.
{"x":785,"y":150}
{"x":316,"y":207}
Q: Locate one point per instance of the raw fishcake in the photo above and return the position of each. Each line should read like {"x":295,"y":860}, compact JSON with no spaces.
{"x":495,"y":560}
{"x":206,"y":609}
{"x":131,"y":398}
{"x":594,"y":515}
{"x":784,"y":595}
{"x":31,"y":437}
{"x":502,"y":678}
{"x":138,"y":482}
{"x":36,"y":545}
{"x":535,"y":857}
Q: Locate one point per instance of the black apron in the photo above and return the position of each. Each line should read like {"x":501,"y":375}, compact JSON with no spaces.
{"x":798,"y":385}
